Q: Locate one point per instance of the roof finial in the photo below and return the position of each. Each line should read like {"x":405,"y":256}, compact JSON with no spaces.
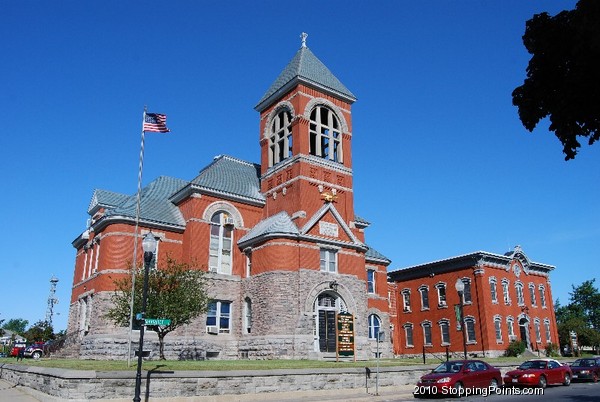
{"x":303,"y":36}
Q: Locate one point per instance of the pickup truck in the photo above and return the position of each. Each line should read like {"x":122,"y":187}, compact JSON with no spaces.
{"x":34,"y":351}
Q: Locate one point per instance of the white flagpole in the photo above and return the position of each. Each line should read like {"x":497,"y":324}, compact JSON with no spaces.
{"x":135,"y":238}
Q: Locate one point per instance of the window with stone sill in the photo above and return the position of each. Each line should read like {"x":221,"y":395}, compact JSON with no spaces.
{"x":532,"y":295}
{"x":408,"y":335}
{"x":493,"y":290}
{"x":427,"y":333}
{"x":374,"y":326}
{"x":470,"y":329}
{"x":520,"y":297}
{"x":325,"y":137}
{"x":406,"y":300}
{"x":218,"y":317}
{"x":498,"y":328}
{"x":505,"y":291}
{"x":441,"y":294}
{"x":467,"y":291}
{"x":424,"y":292}
{"x":445,"y":331}
{"x":542,"y":290}
{"x":328,"y":260}
{"x":221,"y":233}
{"x":370,"y":281}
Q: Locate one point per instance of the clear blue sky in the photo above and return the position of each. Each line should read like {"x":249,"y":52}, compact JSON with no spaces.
{"x":442,"y":164}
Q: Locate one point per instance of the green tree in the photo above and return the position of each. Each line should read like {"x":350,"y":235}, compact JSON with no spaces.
{"x":41,"y":331}
{"x":563,"y":77}
{"x":176,"y":292}
{"x":17,"y":325}
{"x":581,"y":315}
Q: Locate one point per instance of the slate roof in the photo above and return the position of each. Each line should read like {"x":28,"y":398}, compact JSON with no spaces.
{"x":305,"y":68}
{"x":105,"y":199}
{"x":279,"y":224}
{"x":154,"y":205}
{"x":373,"y":254}
{"x":231,"y":176}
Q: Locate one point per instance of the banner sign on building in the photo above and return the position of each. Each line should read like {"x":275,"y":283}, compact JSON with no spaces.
{"x":345,"y":335}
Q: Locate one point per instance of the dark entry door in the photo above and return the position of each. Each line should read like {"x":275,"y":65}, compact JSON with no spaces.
{"x":326,"y":331}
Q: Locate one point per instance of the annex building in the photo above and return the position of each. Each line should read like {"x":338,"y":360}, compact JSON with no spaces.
{"x":285,"y":252}
{"x":280,"y":241}
{"x":505,"y":297}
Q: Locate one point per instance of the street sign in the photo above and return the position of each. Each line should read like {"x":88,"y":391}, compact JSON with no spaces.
{"x":158,"y":321}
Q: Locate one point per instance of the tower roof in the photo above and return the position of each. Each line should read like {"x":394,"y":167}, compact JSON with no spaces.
{"x":307,"y":69}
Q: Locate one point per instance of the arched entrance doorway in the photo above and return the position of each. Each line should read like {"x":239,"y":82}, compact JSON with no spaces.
{"x":524,"y":331}
{"x":327,"y":305}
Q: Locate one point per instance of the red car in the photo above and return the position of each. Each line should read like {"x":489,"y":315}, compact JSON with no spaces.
{"x":539,"y":373}
{"x":586,"y":369}
{"x":458,"y":378}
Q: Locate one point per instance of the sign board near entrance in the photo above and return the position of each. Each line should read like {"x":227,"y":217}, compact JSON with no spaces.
{"x":345,"y":334}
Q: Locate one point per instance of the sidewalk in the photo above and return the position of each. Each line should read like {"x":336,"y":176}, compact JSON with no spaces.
{"x":11,"y":393}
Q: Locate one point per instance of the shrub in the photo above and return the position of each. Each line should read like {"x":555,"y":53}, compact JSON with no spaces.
{"x":514,"y":349}
{"x":552,"y":350}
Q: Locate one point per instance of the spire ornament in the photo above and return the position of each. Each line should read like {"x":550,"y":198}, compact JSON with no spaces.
{"x":303,"y":36}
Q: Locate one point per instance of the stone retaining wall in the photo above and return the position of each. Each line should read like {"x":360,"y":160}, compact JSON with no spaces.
{"x":91,"y":385}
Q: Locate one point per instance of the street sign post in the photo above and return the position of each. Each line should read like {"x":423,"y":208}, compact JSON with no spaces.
{"x":158,"y":321}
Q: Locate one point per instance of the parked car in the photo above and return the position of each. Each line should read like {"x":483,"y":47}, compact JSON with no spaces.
{"x":35,"y":350}
{"x":587,"y":369}
{"x":452,"y":377}
{"x":539,"y":373}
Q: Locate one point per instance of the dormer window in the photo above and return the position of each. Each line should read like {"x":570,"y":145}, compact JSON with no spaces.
{"x":325,"y":134}
{"x":280,"y":139}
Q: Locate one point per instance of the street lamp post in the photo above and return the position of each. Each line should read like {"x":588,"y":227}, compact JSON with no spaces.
{"x":149,"y":246}
{"x":460,"y":288}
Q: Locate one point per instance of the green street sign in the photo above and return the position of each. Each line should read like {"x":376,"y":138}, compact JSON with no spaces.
{"x":158,"y":321}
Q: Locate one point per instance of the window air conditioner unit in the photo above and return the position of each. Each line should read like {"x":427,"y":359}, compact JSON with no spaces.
{"x":229,"y":222}
{"x":213,"y":269}
{"x":406,"y":309}
{"x":442,"y":303}
{"x":212,"y":329}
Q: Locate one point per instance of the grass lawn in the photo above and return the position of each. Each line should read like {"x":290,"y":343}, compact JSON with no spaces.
{"x":177,"y":365}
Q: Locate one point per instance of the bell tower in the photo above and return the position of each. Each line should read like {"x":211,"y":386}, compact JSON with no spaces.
{"x":306,"y":140}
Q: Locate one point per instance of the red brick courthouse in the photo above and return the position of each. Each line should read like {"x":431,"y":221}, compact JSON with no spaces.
{"x":284,"y":252}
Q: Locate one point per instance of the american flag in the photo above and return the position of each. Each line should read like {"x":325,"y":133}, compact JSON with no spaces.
{"x":155,"y":122}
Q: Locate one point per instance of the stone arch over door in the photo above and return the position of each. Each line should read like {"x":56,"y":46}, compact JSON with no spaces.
{"x":323,"y":301}
{"x":524,"y":334}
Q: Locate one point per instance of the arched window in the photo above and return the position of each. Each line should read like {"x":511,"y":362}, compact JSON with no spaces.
{"x":532,"y":294}
{"x":538,"y":332}
{"x":510,"y":325}
{"x":325,"y":134}
{"x":445,"y":331}
{"x":280,"y":139}
{"x":470,"y":327}
{"x":505,"y":292}
{"x":424,"y":291}
{"x":520,"y":297}
{"x":542,"y":295}
{"x":408,"y":333}
{"x":547,"y":327}
{"x":427,"y":332}
{"x":498,"y":328}
{"x":467,"y":291}
{"x":220,"y":243}
{"x":374,"y":326}
{"x":441,"y":293}
{"x":493,"y":290}
{"x":247,"y":315}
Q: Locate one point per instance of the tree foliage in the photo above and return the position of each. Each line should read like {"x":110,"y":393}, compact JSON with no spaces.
{"x":176,"y":292}
{"x":17,"y":325}
{"x":41,"y":331}
{"x":581,"y":315}
{"x":563,"y":76}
